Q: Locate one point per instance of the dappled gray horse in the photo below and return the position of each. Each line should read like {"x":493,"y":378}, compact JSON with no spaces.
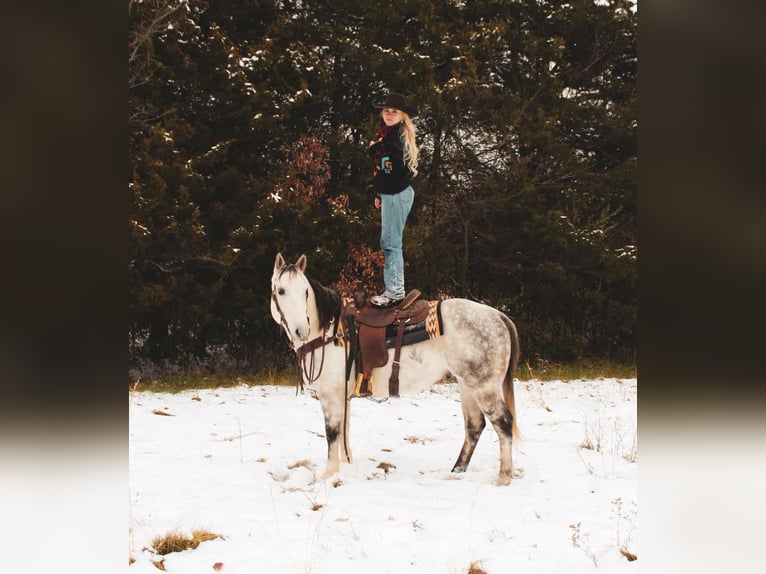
{"x":479,"y":347}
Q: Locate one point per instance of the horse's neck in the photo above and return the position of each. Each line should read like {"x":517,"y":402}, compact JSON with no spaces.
{"x":316,"y":329}
{"x":327,"y":298}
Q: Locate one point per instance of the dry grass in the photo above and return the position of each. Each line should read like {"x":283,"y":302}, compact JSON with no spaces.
{"x":626,"y":524}
{"x":314,"y":504}
{"x":176,"y":541}
{"x":543,"y":370}
{"x":177,"y":384}
{"x":590,"y":444}
{"x":580,"y":540}
{"x":386,"y":466}
{"x":475,"y":568}
{"x":307,"y":464}
{"x":608,"y":438}
{"x":416,"y":439}
{"x":632,"y":454}
{"x":539,"y":370}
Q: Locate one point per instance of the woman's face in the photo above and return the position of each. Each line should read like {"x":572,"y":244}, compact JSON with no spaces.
{"x":391,"y":116}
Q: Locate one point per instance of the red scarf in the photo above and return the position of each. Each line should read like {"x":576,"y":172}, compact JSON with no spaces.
{"x":384,"y":130}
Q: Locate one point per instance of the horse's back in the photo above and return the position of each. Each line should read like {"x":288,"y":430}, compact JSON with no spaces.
{"x":474,"y":320}
{"x":478,"y":337}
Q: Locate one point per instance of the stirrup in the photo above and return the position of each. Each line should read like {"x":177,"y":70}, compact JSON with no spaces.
{"x":362,"y":388}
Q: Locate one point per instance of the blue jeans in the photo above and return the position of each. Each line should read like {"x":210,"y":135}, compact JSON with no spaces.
{"x":394,"y":210}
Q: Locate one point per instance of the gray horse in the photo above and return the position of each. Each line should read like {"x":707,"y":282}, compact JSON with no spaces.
{"x":479,"y":347}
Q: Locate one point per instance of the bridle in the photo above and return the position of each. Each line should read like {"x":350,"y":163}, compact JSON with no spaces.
{"x":305,"y":355}
{"x":282,"y":318}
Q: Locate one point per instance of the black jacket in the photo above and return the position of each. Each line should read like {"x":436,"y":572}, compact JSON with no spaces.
{"x":391,"y":174}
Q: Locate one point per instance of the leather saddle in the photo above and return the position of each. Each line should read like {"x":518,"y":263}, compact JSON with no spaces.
{"x":370,"y":324}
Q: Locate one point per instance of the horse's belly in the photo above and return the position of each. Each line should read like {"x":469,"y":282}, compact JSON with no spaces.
{"x":421,"y":365}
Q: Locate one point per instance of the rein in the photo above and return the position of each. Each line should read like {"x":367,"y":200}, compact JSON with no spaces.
{"x":305,"y":358}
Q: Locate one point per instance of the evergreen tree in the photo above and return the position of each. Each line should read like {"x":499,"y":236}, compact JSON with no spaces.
{"x":249,"y":122}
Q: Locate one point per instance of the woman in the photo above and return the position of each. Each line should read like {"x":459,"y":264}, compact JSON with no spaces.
{"x":395,"y":155}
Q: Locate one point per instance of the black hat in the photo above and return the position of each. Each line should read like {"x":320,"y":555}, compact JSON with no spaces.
{"x":398,"y":102}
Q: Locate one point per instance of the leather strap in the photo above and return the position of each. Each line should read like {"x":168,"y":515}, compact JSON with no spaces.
{"x":393,"y":381}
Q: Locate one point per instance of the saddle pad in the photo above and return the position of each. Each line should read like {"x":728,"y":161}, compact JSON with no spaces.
{"x":428,"y":328}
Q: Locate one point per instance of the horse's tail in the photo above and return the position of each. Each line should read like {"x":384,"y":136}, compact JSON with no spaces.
{"x":508,"y":381}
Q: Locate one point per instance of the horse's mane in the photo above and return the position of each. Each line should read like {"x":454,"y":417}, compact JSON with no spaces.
{"x":328,"y":302}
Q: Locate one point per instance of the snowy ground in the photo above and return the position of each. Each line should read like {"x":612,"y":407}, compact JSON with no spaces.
{"x":243,"y":463}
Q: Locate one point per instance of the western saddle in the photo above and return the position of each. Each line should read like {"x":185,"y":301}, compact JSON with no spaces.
{"x":367,"y":325}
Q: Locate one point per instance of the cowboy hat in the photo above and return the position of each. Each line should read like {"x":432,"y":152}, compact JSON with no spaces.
{"x":398,"y":102}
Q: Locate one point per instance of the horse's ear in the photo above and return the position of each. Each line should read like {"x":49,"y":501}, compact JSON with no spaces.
{"x":279,"y":262}
{"x":301,"y":263}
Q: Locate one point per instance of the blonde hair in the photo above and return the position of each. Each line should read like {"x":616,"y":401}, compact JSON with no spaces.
{"x":410,"y":145}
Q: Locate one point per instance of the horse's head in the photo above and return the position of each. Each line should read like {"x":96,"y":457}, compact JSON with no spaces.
{"x":292,"y":299}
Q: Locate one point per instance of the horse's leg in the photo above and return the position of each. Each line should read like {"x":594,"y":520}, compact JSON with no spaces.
{"x":493,"y":405}
{"x":474,"y":425}
{"x":336,"y":429}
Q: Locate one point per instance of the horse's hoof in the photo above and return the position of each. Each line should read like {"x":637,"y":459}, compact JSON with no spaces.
{"x":503,"y":480}
{"x":329,"y":473}
{"x":458,"y":468}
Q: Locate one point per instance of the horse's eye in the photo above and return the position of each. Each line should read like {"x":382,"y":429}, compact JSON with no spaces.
{"x":281,"y":291}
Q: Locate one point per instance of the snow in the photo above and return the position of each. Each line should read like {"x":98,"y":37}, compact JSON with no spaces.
{"x":244,"y":463}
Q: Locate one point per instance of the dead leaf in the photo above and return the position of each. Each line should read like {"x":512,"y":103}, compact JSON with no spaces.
{"x":217,"y":565}
{"x":629,"y":555}
{"x":163,"y":413}
{"x":386,"y":466}
{"x":159,"y":564}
